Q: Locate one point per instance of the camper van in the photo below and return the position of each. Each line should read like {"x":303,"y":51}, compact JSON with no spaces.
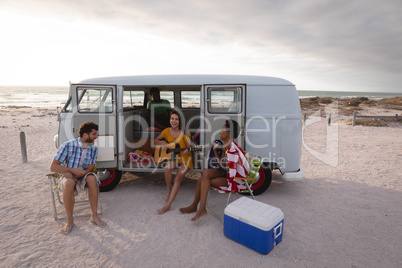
{"x":267,"y":110}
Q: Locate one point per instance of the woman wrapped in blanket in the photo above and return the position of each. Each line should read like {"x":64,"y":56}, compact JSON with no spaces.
{"x":231,"y":163}
{"x":183,"y":160}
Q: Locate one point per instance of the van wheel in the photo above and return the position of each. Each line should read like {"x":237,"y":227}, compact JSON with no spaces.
{"x":109,"y":179}
{"x":263,"y":182}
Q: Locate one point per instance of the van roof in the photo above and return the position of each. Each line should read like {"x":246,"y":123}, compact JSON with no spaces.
{"x":155,"y":80}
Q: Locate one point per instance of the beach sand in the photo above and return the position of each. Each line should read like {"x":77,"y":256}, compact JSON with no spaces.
{"x":347,"y":212}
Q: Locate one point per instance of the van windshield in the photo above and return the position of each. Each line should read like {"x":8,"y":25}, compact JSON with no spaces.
{"x":95,"y":100}
{"x":68,"y":107}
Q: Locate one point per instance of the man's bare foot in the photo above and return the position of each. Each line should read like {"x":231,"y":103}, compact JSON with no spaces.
{"x":189,"y":209}
{"x":67,"y":228}
{"x":97,"y":221}
{"x":164,"y":209}
{"x":199,"y":214}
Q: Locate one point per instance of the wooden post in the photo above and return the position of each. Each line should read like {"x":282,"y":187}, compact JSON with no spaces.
{"x":329,"y":119}
{"x":305,"y":118}
{"x":23,"y":147}
{"x":354,"y":119}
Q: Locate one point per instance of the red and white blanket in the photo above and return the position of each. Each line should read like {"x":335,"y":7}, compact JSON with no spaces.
{"x":140,"y":156}
{"x":238,"y":167}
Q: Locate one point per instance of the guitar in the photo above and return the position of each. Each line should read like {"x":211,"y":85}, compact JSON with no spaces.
{"x":167,"y":151}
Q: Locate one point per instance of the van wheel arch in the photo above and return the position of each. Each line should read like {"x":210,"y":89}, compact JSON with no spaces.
{"x":263,"y":182}
{"x":109,"y":179}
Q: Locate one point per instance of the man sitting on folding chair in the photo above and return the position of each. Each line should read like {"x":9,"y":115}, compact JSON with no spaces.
{"x":231,"y":163}
{"x":76,"y":160}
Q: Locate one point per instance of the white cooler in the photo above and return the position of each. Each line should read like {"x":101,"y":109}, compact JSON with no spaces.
{"x":254,"y":224}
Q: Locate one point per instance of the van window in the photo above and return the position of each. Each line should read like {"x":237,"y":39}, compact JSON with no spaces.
{"x":133,"y":98}
{"x":224,"y":100}
{"x":95,"y":100}
{"x":168,"y":95}
{"x":190,"y":99}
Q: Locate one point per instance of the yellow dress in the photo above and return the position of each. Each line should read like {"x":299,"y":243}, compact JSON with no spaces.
{"x":182,"y":140}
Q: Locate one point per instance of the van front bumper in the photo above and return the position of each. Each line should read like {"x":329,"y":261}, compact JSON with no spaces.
{"x":56,"y":141}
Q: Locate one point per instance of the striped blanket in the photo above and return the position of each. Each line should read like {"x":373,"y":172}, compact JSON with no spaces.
{"x":238,"y":167}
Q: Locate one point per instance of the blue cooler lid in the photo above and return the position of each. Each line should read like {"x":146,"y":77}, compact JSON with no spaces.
{"x":254,"y":213}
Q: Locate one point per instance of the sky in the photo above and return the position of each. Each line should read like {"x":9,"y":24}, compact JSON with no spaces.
{"x":342,"y":45}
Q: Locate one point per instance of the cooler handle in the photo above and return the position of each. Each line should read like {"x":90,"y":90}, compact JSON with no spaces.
{"x":276,"y":233}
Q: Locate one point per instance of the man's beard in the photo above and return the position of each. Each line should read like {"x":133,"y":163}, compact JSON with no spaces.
{"x":89,"y":140}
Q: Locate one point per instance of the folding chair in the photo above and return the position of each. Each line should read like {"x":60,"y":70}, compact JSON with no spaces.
{"x":255,"y":163}
{"x":55,"y":191}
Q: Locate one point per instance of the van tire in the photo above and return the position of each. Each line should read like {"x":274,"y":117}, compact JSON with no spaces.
{"x":263,"y":183}
{"x":113,"y":178}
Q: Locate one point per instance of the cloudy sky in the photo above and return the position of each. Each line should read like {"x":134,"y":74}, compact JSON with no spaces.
{"x":316,"y":44}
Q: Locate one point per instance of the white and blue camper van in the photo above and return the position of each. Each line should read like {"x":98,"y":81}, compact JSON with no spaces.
{"x":266,"y":108}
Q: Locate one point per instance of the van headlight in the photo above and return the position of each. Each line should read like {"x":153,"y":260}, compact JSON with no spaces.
{"x":56,"y":141}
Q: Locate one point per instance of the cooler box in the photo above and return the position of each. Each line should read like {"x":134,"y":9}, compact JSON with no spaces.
{"x":254,"y":224}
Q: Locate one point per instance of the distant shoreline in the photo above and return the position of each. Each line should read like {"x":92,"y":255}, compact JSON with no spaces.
{"x":347,"y":94}
{"x":342,"y":109}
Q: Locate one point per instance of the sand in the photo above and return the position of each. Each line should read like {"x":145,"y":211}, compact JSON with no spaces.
{"x":347,"y":212}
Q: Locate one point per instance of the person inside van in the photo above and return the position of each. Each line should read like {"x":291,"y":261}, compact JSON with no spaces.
{"x":183,"y":160}
{"x":231,"y":163}
{"x":76,"y":161}
{"x":159,"y":109}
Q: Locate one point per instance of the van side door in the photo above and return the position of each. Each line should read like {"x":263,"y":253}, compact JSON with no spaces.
{"x":223,"y":102}
{"x":97,"y":103}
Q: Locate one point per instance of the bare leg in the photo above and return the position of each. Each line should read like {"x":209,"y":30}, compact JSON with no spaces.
{"x":168,"y":178}
{"x":69,"y":200}
{"x":209,"y":177}
{"x":205,"y":184}
{"x":176,"y":187}
{"x":193,"y":207}
{"x":202,"y":210}
{"x":93,"y":192}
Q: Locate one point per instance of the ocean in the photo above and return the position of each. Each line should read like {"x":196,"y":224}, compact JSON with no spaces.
{"x":56,"y":96}
{"x":33,"y":96}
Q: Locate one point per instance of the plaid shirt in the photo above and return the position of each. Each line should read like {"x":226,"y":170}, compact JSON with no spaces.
{"x":70,"y":152}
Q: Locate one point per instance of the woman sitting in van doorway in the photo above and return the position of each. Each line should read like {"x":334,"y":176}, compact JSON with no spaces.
{"x":232,"y":163}
{"x":159,"y":109}
{"x":183,"y":160}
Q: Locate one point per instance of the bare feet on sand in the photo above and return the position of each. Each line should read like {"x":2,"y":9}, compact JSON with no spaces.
{"x":97,"y":221}
{"x":67,"y":228}
{"x":163,"y":209}
{"x":199,"y":214}
{"x":189,"y":209}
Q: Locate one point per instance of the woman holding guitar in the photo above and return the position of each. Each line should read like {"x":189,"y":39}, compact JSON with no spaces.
{"x":183,"y":160}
